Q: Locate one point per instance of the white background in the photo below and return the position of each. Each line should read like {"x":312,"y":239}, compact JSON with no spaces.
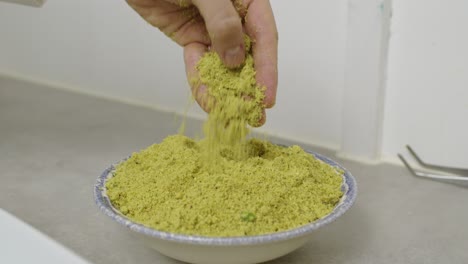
{"x":427,"y":89}
{"x":103,"y":47}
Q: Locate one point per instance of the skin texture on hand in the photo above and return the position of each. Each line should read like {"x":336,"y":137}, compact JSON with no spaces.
{"x":199,"y":25}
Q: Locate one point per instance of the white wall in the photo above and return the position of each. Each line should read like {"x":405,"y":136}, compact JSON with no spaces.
{"x":365,"y":65}
{"x":427,"y":89}
{"x":311,"y":70}
{"x":104,"y":47}
{"x":98,"y":46}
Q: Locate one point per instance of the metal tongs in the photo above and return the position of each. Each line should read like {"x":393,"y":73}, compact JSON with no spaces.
{"x":455,"y":174}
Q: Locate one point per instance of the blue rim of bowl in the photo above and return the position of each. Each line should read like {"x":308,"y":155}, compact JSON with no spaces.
{"x":349,"y":196}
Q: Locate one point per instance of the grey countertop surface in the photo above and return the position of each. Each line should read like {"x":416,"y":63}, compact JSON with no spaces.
{"x":54,"y":144}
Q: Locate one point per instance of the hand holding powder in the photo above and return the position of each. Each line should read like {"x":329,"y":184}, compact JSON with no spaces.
{"x":226,"y":185}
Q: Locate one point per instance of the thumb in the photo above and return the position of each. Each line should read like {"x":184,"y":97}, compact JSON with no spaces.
{"x":225,"y":29}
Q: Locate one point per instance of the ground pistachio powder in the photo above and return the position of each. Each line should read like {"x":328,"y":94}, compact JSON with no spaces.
{"x":225,"y":185}
{"x":236,"y":100}
{"x":277,"y":188}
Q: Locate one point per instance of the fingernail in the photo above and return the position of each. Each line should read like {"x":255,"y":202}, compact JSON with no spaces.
{"x":234,"y":57}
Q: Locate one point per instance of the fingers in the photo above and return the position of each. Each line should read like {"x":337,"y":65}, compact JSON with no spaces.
{"x":222,"y":22}
{"x":192,"y":54}
{"x":225,"y":29}
{"x":260,"y":122}
{"x":261,"y":27}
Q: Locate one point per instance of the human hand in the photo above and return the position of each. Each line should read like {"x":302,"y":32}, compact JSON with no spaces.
{"x":197,"y":25}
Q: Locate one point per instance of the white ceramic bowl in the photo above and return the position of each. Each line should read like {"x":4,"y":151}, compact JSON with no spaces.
{"x":227,"y":250}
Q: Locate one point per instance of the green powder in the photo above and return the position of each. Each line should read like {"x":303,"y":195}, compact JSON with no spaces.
{"x":225,"y":185}
{"x":167,"y":187}
{"x":237,"y":100}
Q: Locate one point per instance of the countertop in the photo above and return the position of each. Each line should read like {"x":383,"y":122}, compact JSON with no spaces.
{"x":54,"y":144}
